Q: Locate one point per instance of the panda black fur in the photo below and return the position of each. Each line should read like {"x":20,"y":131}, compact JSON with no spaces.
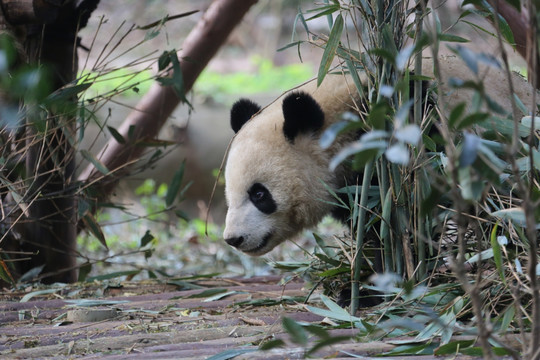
{"x":276,"y":170}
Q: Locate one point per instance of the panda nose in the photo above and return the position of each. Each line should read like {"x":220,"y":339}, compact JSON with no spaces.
{"x":235,"y":241}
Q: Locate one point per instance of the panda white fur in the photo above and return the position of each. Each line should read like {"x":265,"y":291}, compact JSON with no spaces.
{"x":276,"y":170}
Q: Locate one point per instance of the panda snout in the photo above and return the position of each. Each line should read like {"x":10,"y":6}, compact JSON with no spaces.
{"x":235,"y":241}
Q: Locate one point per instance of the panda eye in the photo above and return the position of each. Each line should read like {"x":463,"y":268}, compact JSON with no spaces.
{"x":259,"y":195}
{"x":261,"y":198}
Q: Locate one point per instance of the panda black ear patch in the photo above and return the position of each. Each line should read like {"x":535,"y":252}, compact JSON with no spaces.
{"x":302,"y":114}
{"x":241,"y":112}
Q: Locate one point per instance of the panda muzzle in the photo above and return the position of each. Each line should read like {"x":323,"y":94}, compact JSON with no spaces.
{"x":235,"y":241}
{"x":238,"y":241}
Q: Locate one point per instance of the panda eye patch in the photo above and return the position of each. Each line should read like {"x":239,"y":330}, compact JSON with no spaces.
{"x":262,"y":199}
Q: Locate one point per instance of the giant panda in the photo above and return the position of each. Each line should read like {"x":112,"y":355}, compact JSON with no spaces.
{"x":276,"y":174}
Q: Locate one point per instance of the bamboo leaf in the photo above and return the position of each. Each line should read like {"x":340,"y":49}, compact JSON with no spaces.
{"x":330,"y":49}
{"x":330,"y":134}
{"x":95,"y":302}
{"x":452,"y":38}
{"x":471,"y":119}
{"x":322,"y":11}
{"x":403,"y":57}
{"x":272,"y":344}
{"x":5,"y":274}
{"x":174,"y":186}
{"x":398,"y":154}
{"x":94,"y":161}
{"x":507,"y":319}
{"x":327,"y":342}
{"x":68,"y":92}
{"x":116,"y":135}
{"x":297,"y":333}
{"x":409,"y":134}
{"x":354,"y":148}
{"x":221,"y":296}
{"x":453,"y":347}
{"x":94,"y":228}
{"x":517,"y":215}
{"x":207,"y":293}
{"x":469,"y":151}
{"x":114,"y":275}
{"x":30,"y":295}
{"x":456,"y":113}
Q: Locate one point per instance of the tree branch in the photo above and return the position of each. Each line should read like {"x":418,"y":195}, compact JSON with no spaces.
{"x":157,"y":105}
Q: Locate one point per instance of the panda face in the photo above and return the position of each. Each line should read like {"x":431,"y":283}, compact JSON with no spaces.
{"x":274,"y":172}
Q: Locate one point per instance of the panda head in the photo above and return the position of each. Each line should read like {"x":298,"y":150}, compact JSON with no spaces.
{"x":275,"y":172}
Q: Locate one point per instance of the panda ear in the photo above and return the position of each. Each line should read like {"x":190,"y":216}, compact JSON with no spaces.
{"x":241,"y":112}
{"x":302,"y":114}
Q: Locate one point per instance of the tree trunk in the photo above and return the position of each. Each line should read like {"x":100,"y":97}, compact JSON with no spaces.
{"x":52,"y":219}
{"x":47,"y":34}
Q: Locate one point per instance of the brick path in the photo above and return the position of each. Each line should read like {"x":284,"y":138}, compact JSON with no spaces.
{"x":154,"y":321}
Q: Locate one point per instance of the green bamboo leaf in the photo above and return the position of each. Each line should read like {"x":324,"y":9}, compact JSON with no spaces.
{"x":272,"y":344}
{"x":94,"y":228}
{"x":5,"y":274}
{"x":471,"y":120}
{"x":507,"y":319}
{"x":478,"y":352}
{"x":413,"y":349}
{"x":330,"y":49}
{"x":489,"y":157}
{"x":504,"y":126}
{"x":452,"y":38}
{"x":456,"y":114}
{"x":335,"y":272}
{"x":116,"y":135}
{"x":327,"y":342}
{"x":322,"y":11}
{"x":147,"y":237}
{"x":453,"y":347}
{"x":94,"y":161}
{"x":84,"y":270}
{"x":164,"y":60}
{"x":67,"y":92}
{"x":174,"y":186}
{"x":297,"y":333}
{"x":295,"y":43}
{"x":326,"y":249}
{"x":354,"y":74}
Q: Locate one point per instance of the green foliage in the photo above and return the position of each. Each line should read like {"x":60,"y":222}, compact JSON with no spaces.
{"x":267,"y":78}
